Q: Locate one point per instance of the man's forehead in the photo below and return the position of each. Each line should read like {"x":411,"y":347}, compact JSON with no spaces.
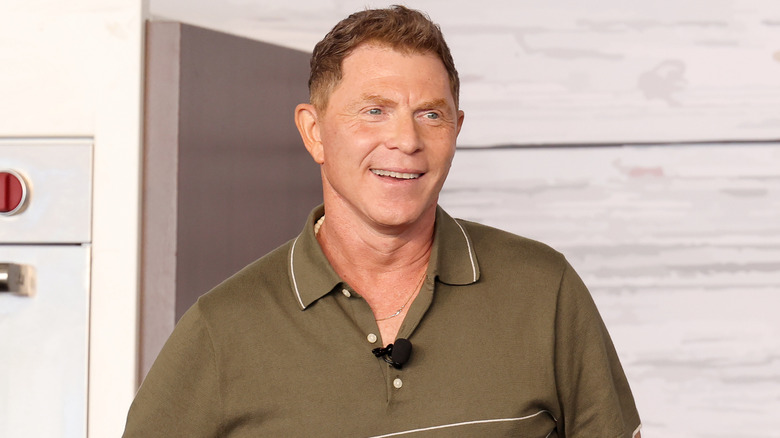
{"x":364,"y":66}
{"x":373,"y":63}
{"x":378,"y":93}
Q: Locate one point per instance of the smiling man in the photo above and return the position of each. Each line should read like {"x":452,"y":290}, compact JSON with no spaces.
{"x":385,"y":141}
{"x":316,"y":337}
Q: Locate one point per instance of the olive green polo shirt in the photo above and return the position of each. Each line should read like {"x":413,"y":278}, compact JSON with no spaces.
{"x":506,"y":342}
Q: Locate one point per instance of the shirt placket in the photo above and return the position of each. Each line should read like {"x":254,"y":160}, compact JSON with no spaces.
{"x":396,"y":380}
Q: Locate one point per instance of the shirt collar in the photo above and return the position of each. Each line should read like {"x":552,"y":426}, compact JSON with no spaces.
{"x":453,"y":260}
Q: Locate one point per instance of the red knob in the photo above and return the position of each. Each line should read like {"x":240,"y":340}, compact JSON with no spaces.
{"x":13,"y":192}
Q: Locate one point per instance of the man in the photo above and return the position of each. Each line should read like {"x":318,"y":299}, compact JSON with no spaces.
{"x":315,"y":338}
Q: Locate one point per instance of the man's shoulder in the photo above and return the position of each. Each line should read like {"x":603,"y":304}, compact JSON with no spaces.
{"x":489,"y":235}
{"x":496,"y":246}
{"x":267,"y":274}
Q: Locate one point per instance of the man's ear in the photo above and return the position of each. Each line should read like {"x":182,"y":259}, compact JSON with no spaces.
{"x":308,"y":125}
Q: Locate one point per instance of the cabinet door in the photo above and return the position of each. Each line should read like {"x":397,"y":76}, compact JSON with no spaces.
{"x":43,"y":344}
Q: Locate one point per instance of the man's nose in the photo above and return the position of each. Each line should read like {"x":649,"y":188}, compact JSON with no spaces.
{"x":406,"y":136}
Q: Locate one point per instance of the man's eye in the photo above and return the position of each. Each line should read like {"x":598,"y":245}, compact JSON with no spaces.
{"x":375,"y":111}
{"x":432,"y":115}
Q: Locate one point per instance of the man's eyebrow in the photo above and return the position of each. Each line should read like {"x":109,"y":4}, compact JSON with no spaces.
{"x":436,"y":103}
{"x":376,"y":99}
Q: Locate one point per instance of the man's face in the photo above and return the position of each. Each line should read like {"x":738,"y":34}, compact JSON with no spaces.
{"x":387,"y":136}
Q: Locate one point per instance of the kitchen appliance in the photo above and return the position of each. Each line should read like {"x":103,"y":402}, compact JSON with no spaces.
{"x":45,"y":244}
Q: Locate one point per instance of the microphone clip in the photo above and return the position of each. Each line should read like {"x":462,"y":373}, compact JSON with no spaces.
{"x":403,"y":349}
{"x":384,"y":353}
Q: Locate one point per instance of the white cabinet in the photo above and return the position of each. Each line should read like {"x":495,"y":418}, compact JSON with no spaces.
{"x":44,"y":336}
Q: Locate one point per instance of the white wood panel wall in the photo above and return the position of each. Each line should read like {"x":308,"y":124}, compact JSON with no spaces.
{"x":617,"y":71}
{"x":680,"y":246}
{"x":563,"y":71}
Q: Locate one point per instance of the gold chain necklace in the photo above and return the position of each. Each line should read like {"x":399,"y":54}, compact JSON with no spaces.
{"x":398,"y":312}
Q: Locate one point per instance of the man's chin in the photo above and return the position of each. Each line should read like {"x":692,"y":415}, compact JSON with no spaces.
{"x":398,"y":217}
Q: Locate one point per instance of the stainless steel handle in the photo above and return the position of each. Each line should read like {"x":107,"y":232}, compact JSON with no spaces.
{"x":17,"y":279}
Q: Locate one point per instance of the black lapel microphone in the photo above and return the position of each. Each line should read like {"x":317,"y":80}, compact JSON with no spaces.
{"x":396,"y":354}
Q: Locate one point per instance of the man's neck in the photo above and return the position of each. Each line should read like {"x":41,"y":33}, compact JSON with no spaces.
{"x":384,"y":264}
{"x":364,"y":251}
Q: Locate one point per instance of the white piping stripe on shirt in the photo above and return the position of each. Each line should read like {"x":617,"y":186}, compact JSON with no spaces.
{"x":471,"y":254}
{"x":292,"y":272}
{"x":465,"y":423}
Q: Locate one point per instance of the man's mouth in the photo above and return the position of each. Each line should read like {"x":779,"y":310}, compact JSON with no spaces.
{"x":398,"y":175}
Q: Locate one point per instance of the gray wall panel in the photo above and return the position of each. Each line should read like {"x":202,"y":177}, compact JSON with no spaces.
{"x":227,"y":178}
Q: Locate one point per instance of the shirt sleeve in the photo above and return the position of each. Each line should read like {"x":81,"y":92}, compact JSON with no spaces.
{"x":594,"y":395}
{"x":180,"y":396}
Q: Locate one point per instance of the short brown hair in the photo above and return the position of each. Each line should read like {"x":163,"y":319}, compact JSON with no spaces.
{"x":398,"y":27}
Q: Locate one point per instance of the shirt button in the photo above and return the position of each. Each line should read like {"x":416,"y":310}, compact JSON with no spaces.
{"x":346,"y":293}
{"x":398,"y":383}
{"x":371,"y":338}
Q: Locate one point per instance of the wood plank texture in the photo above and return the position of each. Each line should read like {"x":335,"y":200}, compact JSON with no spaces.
{"x":561,"y":71}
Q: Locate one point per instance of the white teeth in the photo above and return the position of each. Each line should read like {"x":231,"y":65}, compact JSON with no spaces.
{"x":396,"y":174}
